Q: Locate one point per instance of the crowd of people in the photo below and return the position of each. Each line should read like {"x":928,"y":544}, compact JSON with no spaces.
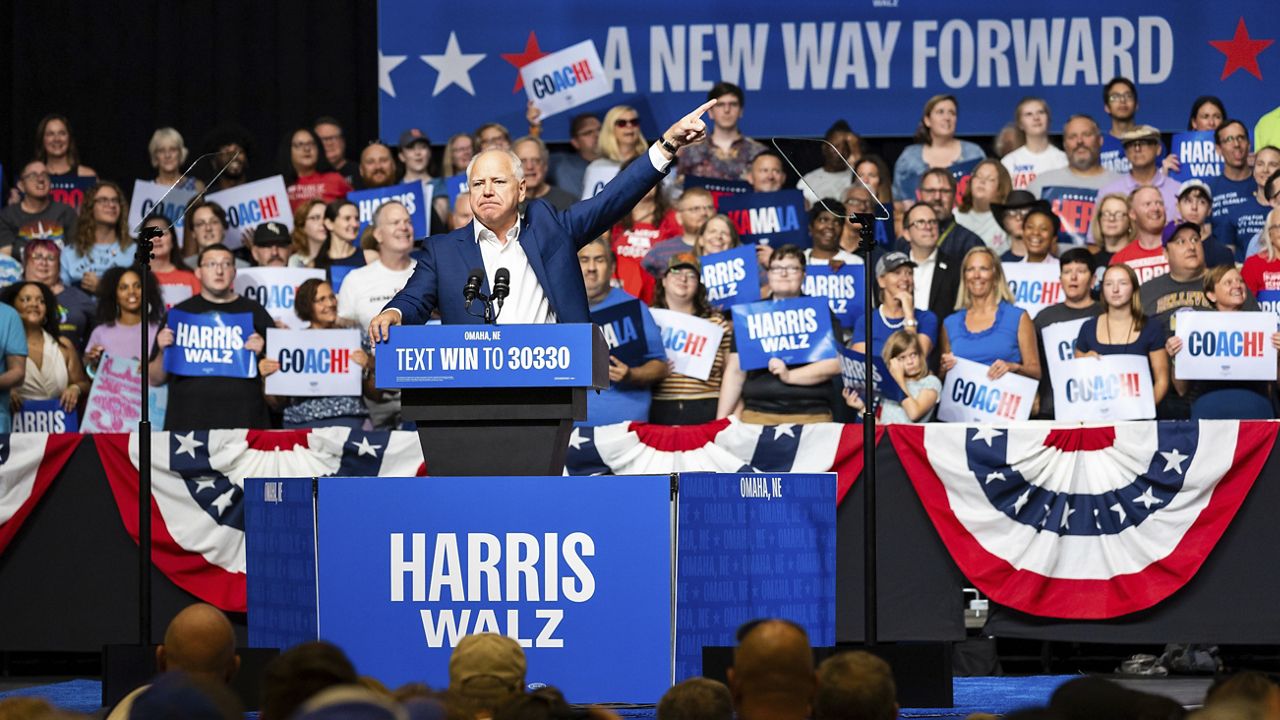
{"x":1148,"y":248}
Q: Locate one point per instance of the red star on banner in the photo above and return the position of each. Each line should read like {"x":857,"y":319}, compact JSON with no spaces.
{"x":531,"y":52}
{"x":1241,"y":51}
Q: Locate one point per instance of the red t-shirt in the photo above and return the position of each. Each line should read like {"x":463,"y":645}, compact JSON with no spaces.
{"x":321,"y":186}
{"x":1260,"y":273}
{"x":177,"y":285}
{"x":1146,"y":263}
{"x":634,"y":280}
{"x":635,"y":241}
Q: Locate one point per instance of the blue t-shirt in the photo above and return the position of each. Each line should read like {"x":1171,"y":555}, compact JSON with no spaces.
{"x":623,"y":402}
{"x":1112,"y":155}
{"x":13,"y":341}
{"x":1237,"y":216}
{"x":100,"y":259}
{"x":998,"y":342}
{"x":1150,"y":339}
{"x":927,"y":324}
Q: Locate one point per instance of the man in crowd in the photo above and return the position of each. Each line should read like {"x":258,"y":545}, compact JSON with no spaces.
{"x":1142,"y":147}
{"x":544,"y":286}
{"x":1183,"y":286}
{"x":493,"y":136}
{"x":1082,"y":141}
{"x":534,"y":157}
{"x":1195,"y":201}
{"x":300,"y":673}
{"x":271,"y":244}
{"x":694,"y":208}
{"x":938,"y":190}
{"x":727,"y":153}
{"x":629,"y":394}
{"x":37,"y":215}
{"x":1146,"y":253}
{"x":205,"y":403}
{"x":1076,"y":268}
{"x":855,"y":686}
{"x":567,"y":169}
{"x":772,"y":677}
{"x":485,"y":671}
{"x":936,"y":274}
{"x":462,"y":214}
{"x":1120,"y":101}
{"x":329,"y":130}
{"x":1232,"y":189}
{"x":697,"y":698}
{"x":377,"y":167}
{"x":231,"y":145}
{"x":414,"y":152}
{"x":765,"y":173}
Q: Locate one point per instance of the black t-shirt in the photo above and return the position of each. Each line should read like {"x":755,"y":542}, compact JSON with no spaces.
{"x":1046,"y":317}
{"x":206,"y":403}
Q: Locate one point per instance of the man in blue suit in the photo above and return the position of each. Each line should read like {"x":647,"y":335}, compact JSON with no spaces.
{"x":539,"y":249}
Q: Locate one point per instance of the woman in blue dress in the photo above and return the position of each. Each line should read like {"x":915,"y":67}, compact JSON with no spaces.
{"x":987,"y":327}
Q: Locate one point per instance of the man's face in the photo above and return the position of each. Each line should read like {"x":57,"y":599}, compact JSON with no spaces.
{"x":922,"y":228}
{"x":938,"y":193}
{"x":207,"y":227}
{"x":766,"y":173}
{"x":34,"y":181}
{"x":462,"y":213}
{"x":235,"y":168}
{"x":217,"y":272}
{"x":587,"y":139}
{"x":416,"y":156}
{"x":270,"y":254}
{"x":858,"y":200}
{"x":1265,"y":163}
{"x":491,"y":138}
{"x":377,"y":169}
{"x":1194,"y":207}
{"x":535,"y":167}
{"x":335,"y":146}
{"x":596,"y":269}
{"x":1185,"y":253}
{"x":1121,"y":103}
{"x":495,"y":192}
{"x":693,"y":211}
{"x":1142,"y":153}
{"x":1234,"y":146}
{"x":1076,"y":281}
{"x":1083,"y":144}
{"x":1148,"y":213}
{"x":727,"y":112}
{"x":395,"y":229}
{"x":825,"y":232}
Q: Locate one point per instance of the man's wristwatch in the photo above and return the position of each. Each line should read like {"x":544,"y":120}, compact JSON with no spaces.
{"x":667,"y":144}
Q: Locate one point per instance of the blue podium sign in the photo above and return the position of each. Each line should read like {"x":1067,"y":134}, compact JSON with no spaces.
{"x":407,"y":566}
{"x":486,"y":356}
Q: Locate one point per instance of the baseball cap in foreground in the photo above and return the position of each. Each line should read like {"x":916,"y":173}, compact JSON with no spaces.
{"x":486,"y":666}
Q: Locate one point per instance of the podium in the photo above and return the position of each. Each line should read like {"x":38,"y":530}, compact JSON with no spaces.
{"x":494,"y":400}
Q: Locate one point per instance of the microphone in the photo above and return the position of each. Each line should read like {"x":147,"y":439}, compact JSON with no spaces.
{"x":472,"y":288}
{"x":501,"y":285}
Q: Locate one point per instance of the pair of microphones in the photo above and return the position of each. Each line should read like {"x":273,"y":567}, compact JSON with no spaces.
{"x":501,"y":289}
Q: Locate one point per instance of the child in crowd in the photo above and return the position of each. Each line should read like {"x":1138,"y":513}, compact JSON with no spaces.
{"x":906,"y":361}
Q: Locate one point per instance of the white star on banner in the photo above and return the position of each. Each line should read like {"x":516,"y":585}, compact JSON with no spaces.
{"x":223,"y":501}
{"x":366,"y":448}
{"x":576,"y":440}
{"x":986,"y":433}
{"x":995,"y":475}
{"x":187,"y":444}
{"x":454,"y":67}
{"x":1119,"y":510}
{"x":780,"y":430}
{"x":387,"y":63}
{"x":1173,"y":460}
{"x":1022,"y":500}
{"x":1066,"y":516}
{"x":1148,"y":498}
{"x":204,"y":482}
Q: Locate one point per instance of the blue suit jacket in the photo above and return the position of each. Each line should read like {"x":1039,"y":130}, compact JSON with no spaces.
{"x":550,"y":238}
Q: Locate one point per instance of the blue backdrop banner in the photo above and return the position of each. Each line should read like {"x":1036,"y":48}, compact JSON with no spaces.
{"x":449,"y":67}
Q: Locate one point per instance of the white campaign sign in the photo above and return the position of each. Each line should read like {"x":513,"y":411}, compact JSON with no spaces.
{"x":313,"y":363}
{"x":147,"y":194}
{"x":597,"y":176}
{"x":968,"y":395}
{"x":691,"y":342}
{"x":1035,"y":286}
{"x":1225,"y":346}
{"x":566,"y":79}
{"x":1060,"y":345}
{"x":1108,"y":387}
{"x":252,"y":204}
{"x":274,"y":288}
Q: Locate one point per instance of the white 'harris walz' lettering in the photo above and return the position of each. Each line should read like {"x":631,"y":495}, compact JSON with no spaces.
{"x":780,"y":330}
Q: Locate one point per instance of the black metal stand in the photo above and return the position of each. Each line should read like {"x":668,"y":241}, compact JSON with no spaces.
{"x":866,"y":244}
{"x":146,"y":238}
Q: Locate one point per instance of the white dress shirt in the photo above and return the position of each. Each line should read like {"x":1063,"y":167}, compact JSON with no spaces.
{"x":527,"y":303}
{"x":923,"y":277}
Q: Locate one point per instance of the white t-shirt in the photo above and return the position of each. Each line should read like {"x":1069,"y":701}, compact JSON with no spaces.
{"x":1024,"y":165}
{"x":366,"y":290}
{"x":984,"y":225}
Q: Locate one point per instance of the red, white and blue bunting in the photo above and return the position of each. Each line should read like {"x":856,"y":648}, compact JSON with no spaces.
{"x":197,"y":480}
{"x":1082,"y":523}
{"x":28,"y":464}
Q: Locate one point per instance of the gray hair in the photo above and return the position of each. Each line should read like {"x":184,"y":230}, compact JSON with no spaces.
{"x":517,"y":167}
{"x":542,"y":147}
{"x":165,"y":137}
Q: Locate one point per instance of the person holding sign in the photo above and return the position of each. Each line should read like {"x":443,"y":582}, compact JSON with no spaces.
{"x":342,"y":228}
{"x":987,"y":327}
{"x":120,"y":316}
{"x":41,"y":263}
{"x":1262,"y":271}
{"x":1207,"y":113}
{"x":1225,"y":399}
{"x":905,"y":355}
{"x":53,"y":365}
{"x":545,"y":285}
{"x":1057,"y":326}
{"x":168,"y":152}
{"x":1122,"y":329}
{"x":1040,"y":228}
{"x":897,"y":311}
{"x":102,"y":237}
{"x":680,"y":399}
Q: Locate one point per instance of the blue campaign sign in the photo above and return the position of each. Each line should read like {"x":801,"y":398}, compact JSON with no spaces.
{"x":455,"y":185}
{"x":753,"y":546}
{"x":853,"y":371}
{"x":280,"y":558}
{"x":1269,"y":300}
{"x":1197,"y":153}
{"x":409,"y":194}
{"x":623,"y":328}
{"x":732,"y":276}
{"x":842,"y":288}
{"x":210,"y":345}
{"x":777,"y":218}
{"x":410,"y":565}
{"x":795,"y":330}
{"x":449,"y":67}
{"x":45,"y":416}
{"x":419,"y":356}
{"x":1074,"y":207}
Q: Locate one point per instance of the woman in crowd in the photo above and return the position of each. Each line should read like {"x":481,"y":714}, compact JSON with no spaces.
{"x":936,"y":147}
{"x":650,"y":222}
{"x":1225,"y":399}
{"x":42,"y":263}
{"x":718,"y":235}
{"x":342,"y":226}
{"x":989,"y":184}
{"x":1113,"y":228}
{"x":904,"y":355}
{"x":875,"y":172}
{"x":1010,"y":214}
{"x":620,"y":141}
{"x":987,"y":327}
{"x":457,"y":153}
{"x":316,"y":303}
{"x":680,"y":399}
{"x":1040,"y":227}
{"x":56,"y":148}
{"x":1033,"y":153}
{"x":205,"y":224}
{"x":897,"y":311}
{"x":102,"y":237}
{"x":177,"y":281}
{"x":53,"y":365}
{"x":121,"y":315}
{"x":309,"y":234}
{"x":1262,"y":271}
{"x":1207,"y":113}
{"x":307,"y":174}
{"x":169,"y":156}
{"x":779,"y":394}
{"x":1122,"y":329}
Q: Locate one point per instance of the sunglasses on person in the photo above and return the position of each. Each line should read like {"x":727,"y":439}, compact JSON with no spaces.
{"x":627,"y":122}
